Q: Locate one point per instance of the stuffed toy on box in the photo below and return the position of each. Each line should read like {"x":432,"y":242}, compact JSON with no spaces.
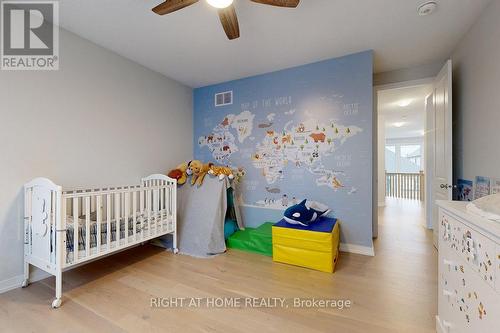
{"x":305,"y":212}
{"x":220,"y":171}
{"x":198,"y":170}
{"x":180,"y":173}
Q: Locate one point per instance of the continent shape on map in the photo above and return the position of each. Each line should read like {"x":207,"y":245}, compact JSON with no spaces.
{"x":222,"y":142}
{"x":302,"y":145}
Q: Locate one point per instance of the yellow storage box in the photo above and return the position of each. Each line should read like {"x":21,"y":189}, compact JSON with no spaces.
{"x":315,"y":247}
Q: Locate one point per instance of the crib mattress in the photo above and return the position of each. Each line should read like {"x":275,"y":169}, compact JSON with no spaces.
{"x":141,"y":225}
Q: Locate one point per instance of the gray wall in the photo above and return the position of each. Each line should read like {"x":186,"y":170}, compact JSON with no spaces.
{"x":99,"y":120}
{"x":476,"y":101}
{"x":408,"y":74}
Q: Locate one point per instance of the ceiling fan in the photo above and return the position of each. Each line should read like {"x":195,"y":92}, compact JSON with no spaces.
{"x":227,"y":13}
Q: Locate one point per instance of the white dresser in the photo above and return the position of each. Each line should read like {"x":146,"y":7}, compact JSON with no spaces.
{"x":469,"y":271}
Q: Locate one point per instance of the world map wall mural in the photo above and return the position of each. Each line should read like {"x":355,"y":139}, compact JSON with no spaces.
{"x":300,"y":133}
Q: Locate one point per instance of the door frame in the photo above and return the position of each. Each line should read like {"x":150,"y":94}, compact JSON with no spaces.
{"x":376,"y":90}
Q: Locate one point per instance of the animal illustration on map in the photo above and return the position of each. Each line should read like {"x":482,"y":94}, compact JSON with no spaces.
{"x":336,"y":183}
{"x":482,"y":310}
{"x":286,"y":139}
{"x":242,"y":130}
{"x":274,"y":190}
{"x":318,"y":137}
{"x":264,"y":125}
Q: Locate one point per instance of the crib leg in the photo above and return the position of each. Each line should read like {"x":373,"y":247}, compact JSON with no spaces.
{"x":57,"y":302}
{"x":174,"y":243}
{"x":26,"y":280}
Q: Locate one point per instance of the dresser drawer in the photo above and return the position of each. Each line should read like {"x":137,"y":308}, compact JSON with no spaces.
{"x":475,"y":249}
{"x":466,"y":302}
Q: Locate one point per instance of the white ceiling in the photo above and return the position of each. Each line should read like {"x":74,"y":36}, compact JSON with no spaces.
{"x":411,"y":118}
{"x":191,"y":47}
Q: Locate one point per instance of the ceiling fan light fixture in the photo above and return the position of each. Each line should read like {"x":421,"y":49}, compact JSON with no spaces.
{"x":427,"y":8}
{"x":220,"y":4}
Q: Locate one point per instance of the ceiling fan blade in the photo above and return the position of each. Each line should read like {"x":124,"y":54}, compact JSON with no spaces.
{"x":170,"y":6}
{"x":279,"y":3}
{"x":229,"y":21}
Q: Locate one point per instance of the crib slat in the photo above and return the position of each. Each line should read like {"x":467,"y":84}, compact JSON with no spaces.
{"x":134,"y":213}
{"x":162,"y":197}
{"x":53,"y":226}
{"x":87,"y":226}
{"x":75,"y":230}
{"x":62,"y":241}
{"x":141,"y":201}
{"x":125,"y":216}
{"x":117,"y":218}
{"x":108,"y":221}
{"x":155,"y":206}
{"x":171,"y":208}
{"x":99,"y":219}
{"x":148,"y":208}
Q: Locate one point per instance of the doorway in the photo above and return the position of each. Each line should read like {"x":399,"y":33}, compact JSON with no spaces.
{"x":414,"y":139}
{"x":402,"y":142}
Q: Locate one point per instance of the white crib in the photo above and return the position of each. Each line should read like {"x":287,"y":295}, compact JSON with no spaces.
{"x":67,"y":228}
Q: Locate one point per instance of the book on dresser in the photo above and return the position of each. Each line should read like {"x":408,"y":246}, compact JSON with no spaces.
{"x":469,"y":271}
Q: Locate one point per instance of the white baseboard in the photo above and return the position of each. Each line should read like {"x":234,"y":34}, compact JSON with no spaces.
{"x":357,"y":249}
{"x":11,"y":283}
{"x":16,"y":281}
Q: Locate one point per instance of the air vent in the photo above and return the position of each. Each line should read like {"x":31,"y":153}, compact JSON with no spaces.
{"x":224,"y":98}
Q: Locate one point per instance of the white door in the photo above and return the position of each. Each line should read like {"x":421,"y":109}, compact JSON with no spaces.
{"x":429,"y":158}
{"x":442,"y":175}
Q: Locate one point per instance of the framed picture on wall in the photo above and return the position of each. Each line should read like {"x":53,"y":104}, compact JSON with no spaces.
{"x":465,"y":190}
{"x":482,"y":187}
{"x":495,"y":185}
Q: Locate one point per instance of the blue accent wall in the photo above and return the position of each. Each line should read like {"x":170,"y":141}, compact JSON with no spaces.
{"x":303,"y":132}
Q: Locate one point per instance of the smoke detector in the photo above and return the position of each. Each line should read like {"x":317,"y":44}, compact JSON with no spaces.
{"x":427,"y":8}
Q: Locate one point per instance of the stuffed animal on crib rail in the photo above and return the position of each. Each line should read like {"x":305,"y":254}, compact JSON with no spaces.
{"x":305,"y":212}
{"x":180,"y":173}
{"x":198,"y":170}
{"x":220,"y":171}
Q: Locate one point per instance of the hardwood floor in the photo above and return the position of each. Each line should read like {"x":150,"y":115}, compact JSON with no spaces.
{"x":395,"y":291}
